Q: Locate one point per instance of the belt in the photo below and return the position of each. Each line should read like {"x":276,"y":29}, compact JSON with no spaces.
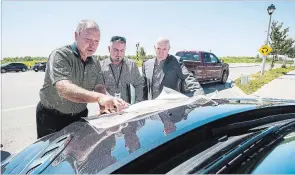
{"x":58,"y":112}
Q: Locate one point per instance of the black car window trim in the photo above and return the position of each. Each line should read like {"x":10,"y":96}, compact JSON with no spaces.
{"x":246,"y":125}
{"x":286,"y":119}
{"x":264,"y":141}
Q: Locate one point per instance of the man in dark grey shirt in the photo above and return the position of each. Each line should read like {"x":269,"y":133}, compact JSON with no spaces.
{"x":120,"y":72}
{"x":165,"y":71}
{"x":70,"y":78}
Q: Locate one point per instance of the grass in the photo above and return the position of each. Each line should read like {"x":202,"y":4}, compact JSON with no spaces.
{"x":249,"y":60}
{"x":241,"y":60}
{"x":139,"y":63}
{"x":256,"y":81}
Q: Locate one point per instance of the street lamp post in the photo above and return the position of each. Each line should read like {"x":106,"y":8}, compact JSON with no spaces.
{"x":270,"y":11}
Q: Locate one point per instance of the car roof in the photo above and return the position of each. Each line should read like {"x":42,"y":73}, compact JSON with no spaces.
{"x":17,"y":63}
{"x":191,"y":51}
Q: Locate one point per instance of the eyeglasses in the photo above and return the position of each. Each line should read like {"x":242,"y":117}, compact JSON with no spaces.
{"x":118,"y":38}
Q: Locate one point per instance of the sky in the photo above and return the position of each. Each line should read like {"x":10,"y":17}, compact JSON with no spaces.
{"x":227,"y":28}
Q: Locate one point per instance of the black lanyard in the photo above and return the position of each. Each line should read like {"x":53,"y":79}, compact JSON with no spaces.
{"x":117,"y":81}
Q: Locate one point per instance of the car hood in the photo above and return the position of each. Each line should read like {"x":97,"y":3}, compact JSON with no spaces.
{"x":5,"y":65}
{"x":85,"y":149}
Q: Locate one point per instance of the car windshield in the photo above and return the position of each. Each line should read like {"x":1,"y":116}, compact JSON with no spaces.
{"x":5,"y":64}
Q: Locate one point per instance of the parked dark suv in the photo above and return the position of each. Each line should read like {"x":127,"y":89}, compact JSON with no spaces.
{"x":39,"y":66}
{"x":9,"y":67}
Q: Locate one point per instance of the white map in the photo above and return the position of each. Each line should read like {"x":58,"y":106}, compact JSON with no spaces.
{"x":166,"y":100}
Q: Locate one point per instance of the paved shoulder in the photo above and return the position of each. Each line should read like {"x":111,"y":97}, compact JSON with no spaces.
{"x":282,"y":87}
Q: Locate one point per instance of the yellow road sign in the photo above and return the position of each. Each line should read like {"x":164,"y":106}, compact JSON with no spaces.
{"x":265,"y":50}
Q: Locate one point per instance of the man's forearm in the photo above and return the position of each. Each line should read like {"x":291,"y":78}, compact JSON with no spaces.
{"x":74,"y":93}
{"x":191,"y":83}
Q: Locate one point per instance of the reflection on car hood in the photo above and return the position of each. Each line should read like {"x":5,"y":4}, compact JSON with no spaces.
{"x":94,"y":150}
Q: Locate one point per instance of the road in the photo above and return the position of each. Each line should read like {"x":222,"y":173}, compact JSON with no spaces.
{"x":20,"y":94}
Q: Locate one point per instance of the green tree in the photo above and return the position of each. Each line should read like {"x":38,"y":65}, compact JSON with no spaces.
{"x":141,"y":52}
{"x":280,"y":42}
{"x":292,"y":52}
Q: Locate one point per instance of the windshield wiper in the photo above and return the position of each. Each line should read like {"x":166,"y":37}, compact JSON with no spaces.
{"x":251,"y":123}
{"x":246,"y":150}
{"x":224,"y":160}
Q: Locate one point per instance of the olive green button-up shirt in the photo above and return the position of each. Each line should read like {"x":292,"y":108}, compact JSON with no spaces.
{"x":65,"y":63}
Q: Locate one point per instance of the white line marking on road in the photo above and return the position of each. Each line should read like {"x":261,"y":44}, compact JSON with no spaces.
{"x":17,"y":108}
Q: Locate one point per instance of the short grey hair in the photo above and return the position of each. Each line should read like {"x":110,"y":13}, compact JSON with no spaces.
{"x":86,"y":24}
{"x":163,"y":40}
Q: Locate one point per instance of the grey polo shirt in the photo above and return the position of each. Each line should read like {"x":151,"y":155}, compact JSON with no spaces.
{"x":130,"y":75}
{"x":65,"y":63}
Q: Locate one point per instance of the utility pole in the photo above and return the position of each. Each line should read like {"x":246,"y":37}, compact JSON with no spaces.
{"x":270,"y":10}
{"x":137,"y":53}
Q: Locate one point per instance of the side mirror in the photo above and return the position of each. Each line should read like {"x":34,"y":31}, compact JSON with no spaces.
{"x":221,"y":61}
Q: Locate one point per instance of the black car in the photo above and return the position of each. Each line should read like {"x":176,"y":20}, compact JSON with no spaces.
{"x":39,"y":66}
{"x":220,"y":136}
{"x":13,"y":67}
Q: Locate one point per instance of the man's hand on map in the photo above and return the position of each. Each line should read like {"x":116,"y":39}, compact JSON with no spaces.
{"x":109,"y":104}
{"x":112,"y":104}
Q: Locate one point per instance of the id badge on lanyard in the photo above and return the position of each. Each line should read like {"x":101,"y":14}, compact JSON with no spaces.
{"x":118,"y":95}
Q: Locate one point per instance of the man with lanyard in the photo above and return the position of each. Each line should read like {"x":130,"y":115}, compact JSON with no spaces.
{"x":70,"y":78}
{"x":119,"y":72}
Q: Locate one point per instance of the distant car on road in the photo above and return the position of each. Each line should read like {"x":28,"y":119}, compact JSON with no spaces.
{"x":206,"y":66}
{"x":39,"y":66}
{"x":13,"y":67}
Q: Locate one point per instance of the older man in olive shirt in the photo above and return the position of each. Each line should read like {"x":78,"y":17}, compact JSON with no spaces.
{"x":70,"y":78}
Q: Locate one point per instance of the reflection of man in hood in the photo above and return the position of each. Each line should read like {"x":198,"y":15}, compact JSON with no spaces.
{"x":172,"y":116}
{"x":131,"y":139}
{"x":91,"y":150}
{"x":101,"y":157}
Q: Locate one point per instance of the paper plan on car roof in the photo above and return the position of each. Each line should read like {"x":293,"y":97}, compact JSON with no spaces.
{"x":166,"y":100}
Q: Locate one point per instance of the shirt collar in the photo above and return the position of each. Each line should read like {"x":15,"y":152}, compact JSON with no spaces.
{"x":76,"y":52}
{"x":108,"y":61}
{"x":75,"y":49}
{"x":162,"y":61}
